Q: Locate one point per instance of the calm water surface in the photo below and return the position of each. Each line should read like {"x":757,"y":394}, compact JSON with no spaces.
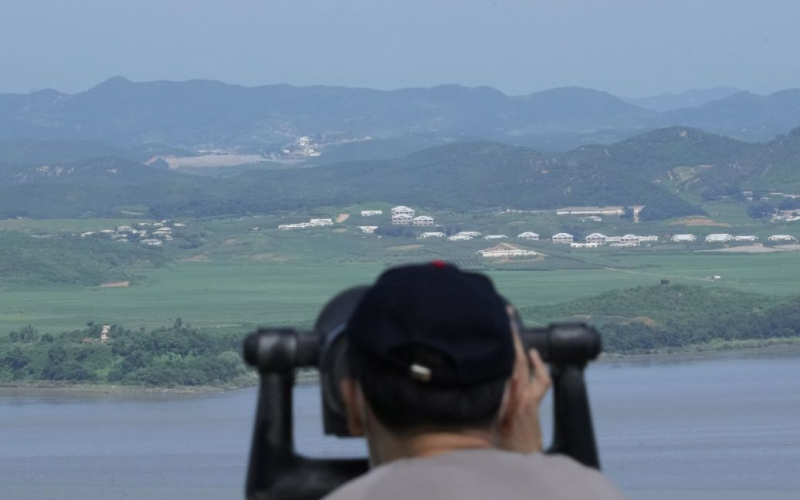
{"x":723,"y":425}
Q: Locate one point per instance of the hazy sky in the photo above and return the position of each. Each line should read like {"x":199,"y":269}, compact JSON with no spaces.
{"x":628,"y":47}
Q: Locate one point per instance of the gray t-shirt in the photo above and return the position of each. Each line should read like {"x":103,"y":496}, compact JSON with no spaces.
{"x":480,"y":474}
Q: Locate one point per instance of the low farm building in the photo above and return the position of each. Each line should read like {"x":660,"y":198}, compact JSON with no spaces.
{"x":584,"y":245}
{"x":471,"y":234}
{"x":368,"y":229}
{"x":321,"y":222}
{"x":782,"y":237}
{"x":684,"y":238}
{"x":745,"y":238}
{"x":591,"y":211}
{"x":434,"y":234}
{"x":506,"y":250}
{"x":528,"y":235}
{"x":371,"y":213}
{"x":495,"y":237}
{"x":562,"y":238}
{"x":719,"y":238}
{"x":459,"y":237}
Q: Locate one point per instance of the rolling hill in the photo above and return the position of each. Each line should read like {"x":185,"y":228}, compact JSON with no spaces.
{"x":650,"y":169}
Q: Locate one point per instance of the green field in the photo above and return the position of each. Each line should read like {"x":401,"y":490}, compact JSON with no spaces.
{"x":241,"y":272}
{"x":229,"y":293}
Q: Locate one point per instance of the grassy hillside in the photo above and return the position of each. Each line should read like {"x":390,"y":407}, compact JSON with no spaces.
{"x":674,"y":316}
{"x":25,"y":260}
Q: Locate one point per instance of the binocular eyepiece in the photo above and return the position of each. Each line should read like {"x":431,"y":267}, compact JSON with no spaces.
{"x":277,"y":471}
{"x":281,"y":350}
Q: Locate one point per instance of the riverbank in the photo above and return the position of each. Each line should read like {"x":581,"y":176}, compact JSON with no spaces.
{"x":777,"y":346}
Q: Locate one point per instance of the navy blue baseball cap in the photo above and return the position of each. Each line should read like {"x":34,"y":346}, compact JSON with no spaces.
{"x":457,"y":314}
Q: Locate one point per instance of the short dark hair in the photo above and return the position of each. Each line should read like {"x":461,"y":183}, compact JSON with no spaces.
{"x":403,"y":404}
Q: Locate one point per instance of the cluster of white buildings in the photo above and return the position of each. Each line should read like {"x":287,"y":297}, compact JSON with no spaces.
{"x":728,"y":238}
{"x":404,"y":216}
{"x":153,"y":234}
{"x":629,"y":240}
{"x":305,"y":225}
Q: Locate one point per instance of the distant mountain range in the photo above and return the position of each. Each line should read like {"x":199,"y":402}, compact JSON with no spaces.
{"x":687,"y":99}
{"x":199,"y":114}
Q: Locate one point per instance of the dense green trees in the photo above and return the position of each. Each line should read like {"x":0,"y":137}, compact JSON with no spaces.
{"x":178,"y":355}
{"x":642,"y":319}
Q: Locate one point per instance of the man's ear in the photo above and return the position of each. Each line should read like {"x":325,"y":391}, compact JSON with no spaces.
{"x":352,"y":406}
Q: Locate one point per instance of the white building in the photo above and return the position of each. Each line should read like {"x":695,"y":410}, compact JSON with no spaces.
{"x":471,"y":234}
{"x":684,"y":238}
{"x":371,"y":213}
{"x":321,"y":222}
{"x":719,"y":238}
{"x":87,"y":234}
{"x":584,"y":245}
{"x":613,"y":239}
{"x":495,"y":237}
{"x":402,"y":220}
{"x":402,"y":210}
{"x":163,"y":230}
{"x":528,"y":235}
{"x":745,"y":238}
{"x":651,"y":238}
{"x":301,"y":225}
{"x":124,"y":229}
{"x":624,"y":245}
{"x":368,"y":229}
{"x":179,"y":224}
{"x":782,"y":237}
{"x":435,"y":234}
{"x":591,"y":211}
{"x":597,"y":238}
{"x":630,"y":238}
{"x":563,"y":238}
{"x":423,"y":220}
{"x":506,"y":250}
{"x":152,"y":242}
{"x":459,"y":237}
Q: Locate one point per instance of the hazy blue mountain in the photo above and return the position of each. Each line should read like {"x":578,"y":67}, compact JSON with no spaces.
{"x":687,"y":99}
{"x":743,"y":115}
{"x":201,"y":114}
{"x":213,"y":114}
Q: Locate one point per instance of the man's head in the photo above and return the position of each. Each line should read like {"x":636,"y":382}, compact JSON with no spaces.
{"x":430,"y":350}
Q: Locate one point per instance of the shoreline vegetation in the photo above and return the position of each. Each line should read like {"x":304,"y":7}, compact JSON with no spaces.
{"x":312,"y":376}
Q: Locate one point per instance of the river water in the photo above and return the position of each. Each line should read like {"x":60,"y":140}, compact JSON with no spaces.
{"x":721,"y":425}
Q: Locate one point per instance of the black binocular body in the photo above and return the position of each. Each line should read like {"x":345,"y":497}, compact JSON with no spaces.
{"x":276,"y":471}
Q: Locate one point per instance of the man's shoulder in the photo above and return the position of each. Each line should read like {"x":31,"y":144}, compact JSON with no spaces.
{"x":477,"y":474}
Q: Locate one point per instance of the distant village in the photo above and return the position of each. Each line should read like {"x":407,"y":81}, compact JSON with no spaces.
{"x":407,"y":216}
{"x":151,"y":234}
